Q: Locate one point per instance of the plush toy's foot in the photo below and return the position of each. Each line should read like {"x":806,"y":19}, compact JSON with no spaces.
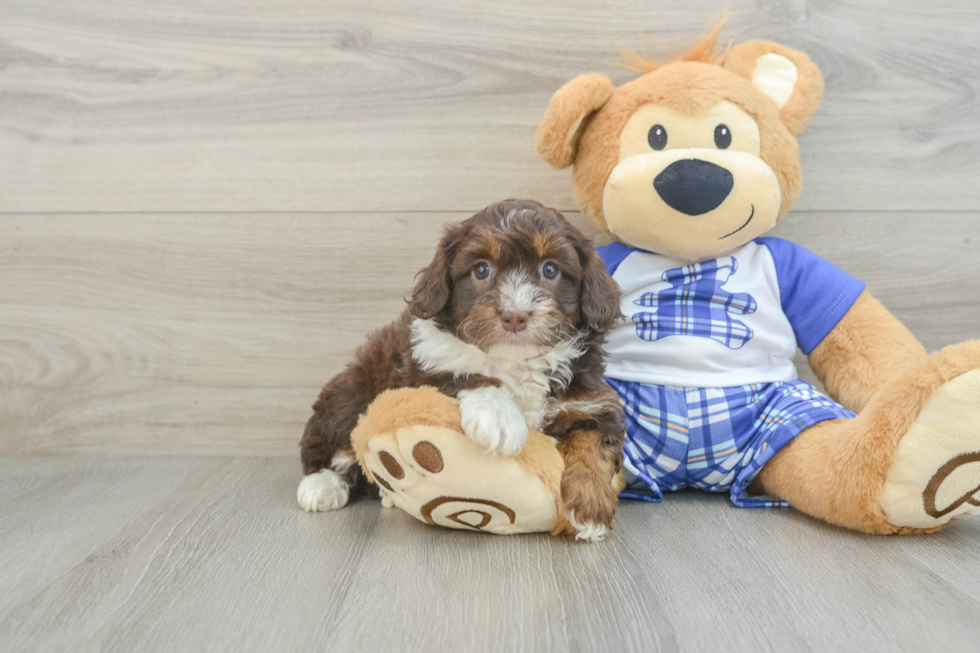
{"x":411,"y":443}
{"x":909,"y":463}
{"x":935,"y":477}
{"x":325,"y":490}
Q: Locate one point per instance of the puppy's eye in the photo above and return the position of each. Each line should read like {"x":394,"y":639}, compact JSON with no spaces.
{"x":482,"y":270}
{"x":549,"y":270}
{"x":657,"y":137}
{"x":723,"y":137}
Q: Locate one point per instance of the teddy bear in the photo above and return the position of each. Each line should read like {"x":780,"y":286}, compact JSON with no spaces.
{"x":686,"y":168}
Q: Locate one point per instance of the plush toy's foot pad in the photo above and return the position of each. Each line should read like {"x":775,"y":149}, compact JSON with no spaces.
{"x":440,"y":476}
{"x":936,"y":474}
{"x":411,"y":443}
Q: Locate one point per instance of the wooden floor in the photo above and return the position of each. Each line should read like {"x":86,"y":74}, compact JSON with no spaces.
{"x":212,"y":554}
{"x":205,"y":205}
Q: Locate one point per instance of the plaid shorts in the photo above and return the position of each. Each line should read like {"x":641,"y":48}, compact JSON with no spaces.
{"x":715,"y":439}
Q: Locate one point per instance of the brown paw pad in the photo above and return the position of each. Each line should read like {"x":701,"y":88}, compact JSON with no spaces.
{"x":957,"y":467}
{"x":479,"y":513}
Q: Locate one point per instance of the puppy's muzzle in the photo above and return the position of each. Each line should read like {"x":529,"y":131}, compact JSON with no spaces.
{"x":693,"y":186}
{"x":514,"y":321}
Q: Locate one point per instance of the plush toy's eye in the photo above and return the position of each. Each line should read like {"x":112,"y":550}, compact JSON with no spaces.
{"x":723,"y":137}
{"x":549,"y":270}
{"x":657,"y":137}
{"x":482,"y":270}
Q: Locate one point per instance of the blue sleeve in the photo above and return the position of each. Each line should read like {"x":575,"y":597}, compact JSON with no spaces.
{"x":613,"y":254}
{"x":815,"y":294}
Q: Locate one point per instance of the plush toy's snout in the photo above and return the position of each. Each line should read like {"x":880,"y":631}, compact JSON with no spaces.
{"x":694,"y":186}
{"x":687,"y":203}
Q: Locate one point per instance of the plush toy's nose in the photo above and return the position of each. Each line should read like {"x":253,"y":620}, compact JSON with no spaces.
{"x":693,"y":186}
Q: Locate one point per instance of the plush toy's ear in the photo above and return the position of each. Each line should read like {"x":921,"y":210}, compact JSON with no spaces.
{"x":786,"y":76}
{"x":567,"y":113}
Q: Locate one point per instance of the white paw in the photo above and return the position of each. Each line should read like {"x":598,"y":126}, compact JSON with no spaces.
{"x":323,"y":491}
{"x":493,"y":420}
{"x":587,"y":531}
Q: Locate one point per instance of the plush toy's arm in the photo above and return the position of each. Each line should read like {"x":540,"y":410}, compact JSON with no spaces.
{"x":867,"y":347}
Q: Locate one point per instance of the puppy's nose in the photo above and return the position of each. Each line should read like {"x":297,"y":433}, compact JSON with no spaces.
{"x":693,"y":186}
{"x":514,"y":321}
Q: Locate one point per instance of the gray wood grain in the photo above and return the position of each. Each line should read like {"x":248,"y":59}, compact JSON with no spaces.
{"x":379,"y":105}
{"x":206,"y":206}
{"x":770,"y":580}
{"x":171,"y":554}
{"x":193,"y":334}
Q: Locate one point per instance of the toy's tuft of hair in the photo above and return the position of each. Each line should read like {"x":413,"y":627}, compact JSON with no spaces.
{"x":703,"y":51}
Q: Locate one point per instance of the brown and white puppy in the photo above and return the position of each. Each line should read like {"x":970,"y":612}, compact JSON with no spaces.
{"x":509,"y":317}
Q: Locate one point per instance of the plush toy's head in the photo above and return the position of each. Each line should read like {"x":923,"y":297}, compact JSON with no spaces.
{"x":693,"y":158}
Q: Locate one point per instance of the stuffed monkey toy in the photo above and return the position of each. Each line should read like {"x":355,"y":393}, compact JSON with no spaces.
{"x":686,"y":168}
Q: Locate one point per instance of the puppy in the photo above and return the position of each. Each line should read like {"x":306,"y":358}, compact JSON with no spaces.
{"x":510,"y":318}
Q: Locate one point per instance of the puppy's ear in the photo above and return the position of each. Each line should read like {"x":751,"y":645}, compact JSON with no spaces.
{"x":600,"y":294}
{"x":433,"y":287}
{"x":567,"y":113}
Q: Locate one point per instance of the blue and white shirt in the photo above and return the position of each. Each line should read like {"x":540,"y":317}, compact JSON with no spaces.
{"x":728,"y":321}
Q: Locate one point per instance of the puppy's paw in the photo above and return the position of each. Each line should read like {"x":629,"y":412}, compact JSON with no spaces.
{"x":586,"y":530}
{"x":322,"y":491}
{"x":589,"y":492}
{"x":492,"y":419}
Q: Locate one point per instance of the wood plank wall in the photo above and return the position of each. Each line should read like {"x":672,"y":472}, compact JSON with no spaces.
{"x":205,"y":206}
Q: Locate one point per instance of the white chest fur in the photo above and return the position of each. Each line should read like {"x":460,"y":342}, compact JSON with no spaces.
{"x":527,"y":373}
